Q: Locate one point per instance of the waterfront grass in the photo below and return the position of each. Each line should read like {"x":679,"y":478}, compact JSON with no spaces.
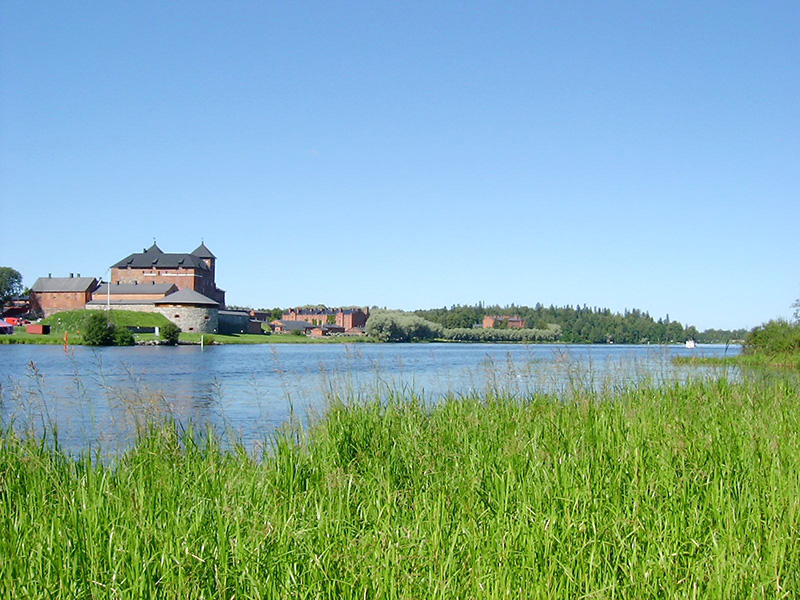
{"x":785,"y":360}
{"x":21,"y":337}
{"x":682,"y":492}
{"x":255,"y":338}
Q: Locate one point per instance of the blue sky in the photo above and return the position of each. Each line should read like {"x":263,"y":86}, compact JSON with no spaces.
{"x":414,"y":155}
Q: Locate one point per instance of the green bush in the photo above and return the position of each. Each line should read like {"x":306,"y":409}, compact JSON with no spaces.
{"x":99,"y":330}
{"x":170,"y":333}
{"x":123,"y":337}
{"x":774,"y":337}
{"x":397,"y":326}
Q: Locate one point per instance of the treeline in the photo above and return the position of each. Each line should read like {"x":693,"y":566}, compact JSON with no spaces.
{"x":721,"y":336}
{"x":398,"y":326}
{"x":584,"y":325}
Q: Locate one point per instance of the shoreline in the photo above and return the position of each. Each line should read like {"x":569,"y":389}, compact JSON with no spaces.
{"x":193,"y":339}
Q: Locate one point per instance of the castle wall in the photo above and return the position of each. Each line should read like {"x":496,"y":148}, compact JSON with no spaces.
{"x":191,"y":319}
{"x":233,"y":322}
{"x":201,"y":282}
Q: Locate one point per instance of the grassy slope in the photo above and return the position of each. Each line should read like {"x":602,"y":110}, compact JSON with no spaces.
{"x":75,"y":320}
{"x":684,"y":492}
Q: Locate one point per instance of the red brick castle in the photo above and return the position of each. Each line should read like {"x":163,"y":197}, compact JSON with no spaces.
{"x":194,"y":271}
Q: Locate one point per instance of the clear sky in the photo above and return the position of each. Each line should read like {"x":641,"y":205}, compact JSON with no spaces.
{"x":414,"y":155}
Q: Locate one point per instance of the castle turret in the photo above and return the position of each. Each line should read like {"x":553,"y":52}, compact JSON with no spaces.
{"x":208,"y":257}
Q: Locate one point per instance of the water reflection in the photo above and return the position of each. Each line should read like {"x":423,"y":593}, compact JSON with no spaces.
{"x":97,"y":397}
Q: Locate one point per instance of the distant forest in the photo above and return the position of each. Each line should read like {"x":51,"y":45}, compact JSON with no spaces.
{"x":582,"y":324}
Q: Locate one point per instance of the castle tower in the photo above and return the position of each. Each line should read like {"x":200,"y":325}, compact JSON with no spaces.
{"x":208,"y":257}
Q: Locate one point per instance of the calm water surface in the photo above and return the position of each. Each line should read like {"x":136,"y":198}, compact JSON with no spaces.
{"x":96,"y":396}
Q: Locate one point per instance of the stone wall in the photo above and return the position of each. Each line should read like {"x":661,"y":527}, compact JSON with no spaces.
{"x":191,"y":319}
{"x":234,"y":322}
{"x":122,"y":306}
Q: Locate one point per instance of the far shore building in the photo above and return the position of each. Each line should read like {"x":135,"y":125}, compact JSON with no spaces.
{"x":50,"y":295}
{"x":17,"y":307}
{"x":195,"y":271}
{"x":129,"y":294}
{"x":514,"y":322}
{"x":182,"y":287}
{"x":325,"y":330}
{"x":238,"y":321}
{"x":286,"y":326}
{"x":351,"y":320}
{"x":192,"y":312}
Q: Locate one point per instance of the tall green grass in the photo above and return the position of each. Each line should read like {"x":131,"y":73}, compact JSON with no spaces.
{"x":687,"y":491}
{"x":786,"y":360}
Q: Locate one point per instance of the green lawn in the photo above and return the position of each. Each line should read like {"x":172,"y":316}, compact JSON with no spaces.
{"x":20,"y":337}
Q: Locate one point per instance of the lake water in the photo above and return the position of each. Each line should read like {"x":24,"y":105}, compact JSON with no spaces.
{"x":97,"y":396}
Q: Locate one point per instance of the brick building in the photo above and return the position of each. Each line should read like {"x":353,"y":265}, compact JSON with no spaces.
{"x":50,"y":295}
{"x":195,"y":271}
{"x":514,"y":322}
{"x":348,"y":318}
{"x":131,"y":293}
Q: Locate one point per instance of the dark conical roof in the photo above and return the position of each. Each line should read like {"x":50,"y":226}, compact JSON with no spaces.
{"x":154,"y":249}
{"x":203,"y":252}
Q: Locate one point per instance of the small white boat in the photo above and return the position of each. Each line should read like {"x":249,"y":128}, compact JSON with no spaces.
{"x":690,"y":344}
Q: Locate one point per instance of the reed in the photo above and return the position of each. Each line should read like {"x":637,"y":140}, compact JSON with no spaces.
{"x":779,"y":360}
{"x":683,"y":491}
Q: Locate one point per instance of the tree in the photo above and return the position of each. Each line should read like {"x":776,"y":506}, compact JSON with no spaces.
{"x":99,"y":330}
{"x":10,"y":284}
{"x":170,"y":333}
{"x":123,"y":337}
{"x":796,"y":307}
